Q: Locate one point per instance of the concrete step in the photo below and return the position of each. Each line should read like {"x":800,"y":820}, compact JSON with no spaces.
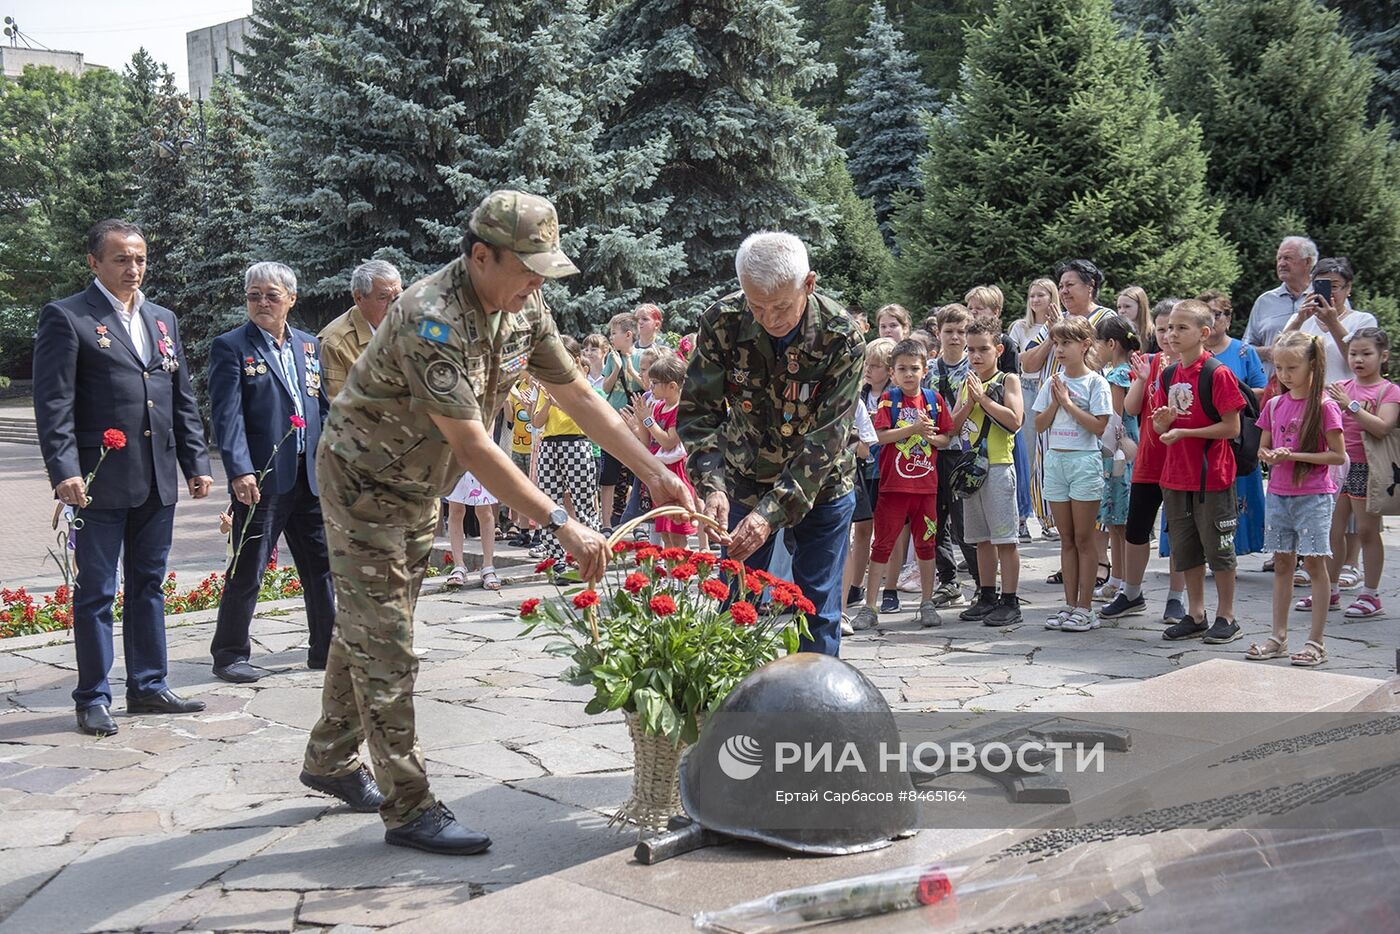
{"x":18,"y":429}
{"x":19,"y":436}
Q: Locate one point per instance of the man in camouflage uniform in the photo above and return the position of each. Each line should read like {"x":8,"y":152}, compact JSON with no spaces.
{"x":438,"y":366}
{"x":767,"y":407}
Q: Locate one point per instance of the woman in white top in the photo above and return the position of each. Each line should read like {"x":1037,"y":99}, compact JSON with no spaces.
{"x":1037,"y":364}
{"x":1333,"y":321}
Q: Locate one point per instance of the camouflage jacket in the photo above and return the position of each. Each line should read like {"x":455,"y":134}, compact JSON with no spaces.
{"x":771,"y":430}
{"x":434,"y":355}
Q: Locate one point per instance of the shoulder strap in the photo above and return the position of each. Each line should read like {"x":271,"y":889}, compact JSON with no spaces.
{"x":945,"y":386}
{"x":1205,"y":387}
{"x":931,"y":400}
{"x":896,"y":395}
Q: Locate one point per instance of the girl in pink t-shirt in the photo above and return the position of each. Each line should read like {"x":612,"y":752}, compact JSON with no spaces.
{"x":1370,"y":404}
{"x":657,"y":427}
{"x":1300,"y":435}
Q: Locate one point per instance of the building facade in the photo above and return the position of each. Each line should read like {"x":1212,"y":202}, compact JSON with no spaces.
{"x":210,"y":53}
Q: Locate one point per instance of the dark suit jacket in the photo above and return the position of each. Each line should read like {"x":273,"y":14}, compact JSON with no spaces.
{"x":82,"y":388}
{"x":251,"y":412}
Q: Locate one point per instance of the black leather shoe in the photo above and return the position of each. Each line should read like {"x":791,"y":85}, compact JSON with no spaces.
{"x":96,"y":721}
{"x":437,"y":831}
{"x":316,"y":664}
{"x":166,"y":701}
{"x":356,"y":789}
{"x":240,"y":672}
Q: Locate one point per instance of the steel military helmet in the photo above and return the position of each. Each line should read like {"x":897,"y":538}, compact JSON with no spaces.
{"x":804,"y":755}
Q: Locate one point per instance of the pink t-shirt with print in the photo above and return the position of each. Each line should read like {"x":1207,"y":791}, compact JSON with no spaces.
{"x":1371,"y":398}
{"x":1283,"y":419}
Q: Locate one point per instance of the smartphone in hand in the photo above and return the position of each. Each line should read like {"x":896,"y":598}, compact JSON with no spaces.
{"x":1323,"y":287}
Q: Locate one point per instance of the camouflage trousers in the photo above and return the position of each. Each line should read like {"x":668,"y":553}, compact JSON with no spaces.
{"x":379,"y":542}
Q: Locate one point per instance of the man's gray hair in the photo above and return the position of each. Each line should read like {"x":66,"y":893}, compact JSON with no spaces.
{"x":1306,"y":248}
{"x":271,"y":274}
{"x":769,"y":261}
{"x":362,"y":279}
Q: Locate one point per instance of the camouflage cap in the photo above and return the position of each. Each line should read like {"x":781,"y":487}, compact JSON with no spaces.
{"x":526,"y":225}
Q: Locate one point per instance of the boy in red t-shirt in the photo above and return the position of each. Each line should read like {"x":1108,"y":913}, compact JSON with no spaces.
{"x":1197,"y":452}
{"x":911,"y":423}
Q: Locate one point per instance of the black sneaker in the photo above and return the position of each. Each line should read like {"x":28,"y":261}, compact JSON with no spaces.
{"x":1222,"y":632}
{"x":1122,"y":606}
{"x":1003,"y":614}
{"x":1186,"y":628}
{"x":855,"y":595}
{"x":890,"y":602}
{"x":978,"y":610}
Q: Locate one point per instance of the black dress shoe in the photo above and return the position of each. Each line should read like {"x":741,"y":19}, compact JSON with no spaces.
{"x":316,"y":664}
{"x":356,"y":789}
{"x":166,"y":701}
{"x":240,"y":672}
{"x":437,"y":831}
{"x":96,"y":721}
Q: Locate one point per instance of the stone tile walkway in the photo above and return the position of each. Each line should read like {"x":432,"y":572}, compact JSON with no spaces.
{"x":198,"y":823}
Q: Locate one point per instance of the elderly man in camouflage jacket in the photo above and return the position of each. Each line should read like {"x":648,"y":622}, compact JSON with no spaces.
{"x":767,"y":408}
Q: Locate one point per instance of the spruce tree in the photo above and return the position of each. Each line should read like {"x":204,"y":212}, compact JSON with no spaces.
{"x":719,"y":80}
{"x":1058,"y":146}
{"x":361,"y":105}
{"x":1374,"y":29}
{"x":165,"y":155}
{"x":884,"y":116}
{"x":857,"y":266}
{"x":1284,"y":112}
{"x":611,"y":230}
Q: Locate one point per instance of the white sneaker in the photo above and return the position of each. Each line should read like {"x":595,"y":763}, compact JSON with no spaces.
{"x":1107,"y":592}
{"x":1080,"y":620}
{"x":846,"y":628}
{"x":909,"y":580}
{"x":1057,"y":618}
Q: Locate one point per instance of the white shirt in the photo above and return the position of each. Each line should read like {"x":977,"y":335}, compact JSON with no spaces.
{"x":130,"y":320}
{"x":1090,"y":393}
{"x":1352,"y":321}
{"x":865,"y":428}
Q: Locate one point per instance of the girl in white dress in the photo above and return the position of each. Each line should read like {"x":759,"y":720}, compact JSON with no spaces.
{"x":470,"y":492}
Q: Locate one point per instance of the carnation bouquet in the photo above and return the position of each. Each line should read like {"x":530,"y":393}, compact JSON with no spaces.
{"x":668,"y":632}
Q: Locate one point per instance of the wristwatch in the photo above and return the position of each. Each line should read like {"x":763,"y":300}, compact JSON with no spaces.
{"x":557,"y":517}
{"x":648,"y":422}
{"x":1354,"y":406}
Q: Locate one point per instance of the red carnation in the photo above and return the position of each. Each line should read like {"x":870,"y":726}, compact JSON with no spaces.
{"x":743,"y":614}
{"x":715,"y":589}
{"x":683,"y":572}
{"x":674,"y":554}
{"x":754,"y":583}
{"x":647,"y":553}
{"x":114,"y":439}
{"x":730,"y":566}
{"x":662,"y":605}
{"x":806,"y":606}
{"x":298,"y":421}
{"x":620,"y":547}
{"x":702,"y":559}
{"x":586,"y":599}
{"x":527,"y":609}
{"x":635,"y":582}
{"x":545,"y":565}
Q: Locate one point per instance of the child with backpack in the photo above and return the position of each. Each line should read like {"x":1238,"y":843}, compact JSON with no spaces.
{"x":876,"y":381}
{"x":911,"y":423}
{"x":1199,"y":470}
{"x":991,"y":401}
{"x":1370,"y":404}
{"x":1073,"y":406}
{"x":1117,"y":342}
{"x":1300,"y":437}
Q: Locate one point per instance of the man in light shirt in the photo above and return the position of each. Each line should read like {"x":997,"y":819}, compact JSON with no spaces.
{"x":1275,"y":308}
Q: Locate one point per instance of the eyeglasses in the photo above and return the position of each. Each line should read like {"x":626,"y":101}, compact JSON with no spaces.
{"x":1223,"y":314}
{"x":273,"y":297}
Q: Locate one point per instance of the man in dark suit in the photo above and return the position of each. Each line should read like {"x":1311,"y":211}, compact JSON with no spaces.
{"x":267,"y":404}
{"x":107,"y":358}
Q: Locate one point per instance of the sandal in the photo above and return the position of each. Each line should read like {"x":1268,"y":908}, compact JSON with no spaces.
{"x":1312,"y":655}
{"x":1364,"y":607}
{"x":1057,"y":578}
{"x":1260,"y":652}
{"x":1102,"y":579}
{"x":489,"y":579}
{"x":1349,"y":578}
{"x":457,"y":577}
{"x":1333,"y":603}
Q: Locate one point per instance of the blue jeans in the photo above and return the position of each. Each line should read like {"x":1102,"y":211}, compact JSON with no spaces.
{"x":820,"y":542}
{"x":143,"y":534}
{"x":1021,"y":458}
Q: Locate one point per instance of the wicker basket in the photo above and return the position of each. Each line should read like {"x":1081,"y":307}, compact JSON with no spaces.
{"x":656,"y":788}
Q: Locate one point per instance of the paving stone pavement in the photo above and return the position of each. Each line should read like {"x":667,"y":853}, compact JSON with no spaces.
{"x":198,"y":822}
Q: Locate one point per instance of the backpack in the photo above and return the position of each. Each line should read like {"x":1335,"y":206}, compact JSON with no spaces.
{"x":970,"y":468}
{"x":1246,"y":444}
{"x":931,"y":399}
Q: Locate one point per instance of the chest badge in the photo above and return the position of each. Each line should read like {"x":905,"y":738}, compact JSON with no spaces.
{"x":250,"y":367}
{"x":103,"y":340}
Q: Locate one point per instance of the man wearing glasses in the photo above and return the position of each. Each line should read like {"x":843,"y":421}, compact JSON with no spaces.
{"x":267,"y":401}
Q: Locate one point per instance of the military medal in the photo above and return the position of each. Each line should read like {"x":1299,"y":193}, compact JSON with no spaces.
{"x":262,"y":368}
{"x":746,"y":405}
{"x":313,"y":370}
{"x":249,"y":369}
{"x":792,"y":360}
{"x":103,"y":340}
{"x":786,"y":430}
{"x":168,"y":363}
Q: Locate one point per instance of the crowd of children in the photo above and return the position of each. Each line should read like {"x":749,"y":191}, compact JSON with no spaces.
{"x":1092,"y":422}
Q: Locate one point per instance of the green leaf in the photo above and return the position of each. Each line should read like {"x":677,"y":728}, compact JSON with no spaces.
{"x":596,"y":705}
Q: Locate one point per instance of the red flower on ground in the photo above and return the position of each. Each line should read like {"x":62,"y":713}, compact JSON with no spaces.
{"x":114,"y":439}
{"x":528,"y":608}
{"x":586,"y":599}
{"x":715,"y":589}
{"x":635,"y":582}
{"x":298,"y":421}
{"x":662,"y":605}
{"x":743,"y":614}
{"x":683,"y":572}
{"x":545,"y":565}
{"x":806,"y":606}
